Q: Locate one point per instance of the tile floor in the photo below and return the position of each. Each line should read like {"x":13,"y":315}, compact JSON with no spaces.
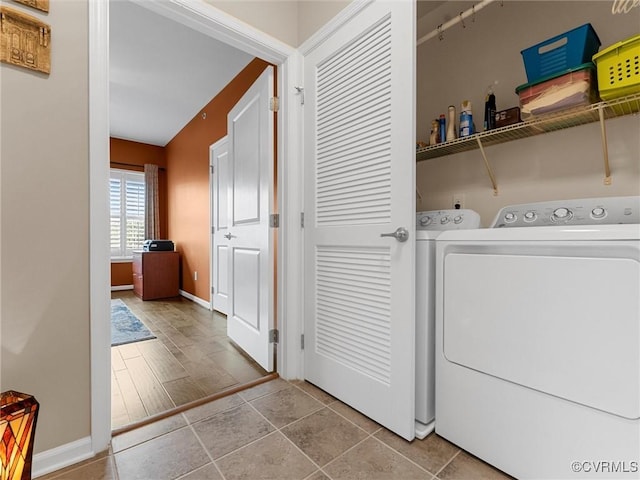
{"x":276,"y":430}
{"x":191,"y":359}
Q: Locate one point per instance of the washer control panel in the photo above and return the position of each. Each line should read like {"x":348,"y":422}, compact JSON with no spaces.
{"x":447,"y":220}
{"x":587,"y":211}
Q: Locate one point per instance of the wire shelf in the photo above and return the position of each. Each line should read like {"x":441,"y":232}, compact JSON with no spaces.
{"x":543,"y":124}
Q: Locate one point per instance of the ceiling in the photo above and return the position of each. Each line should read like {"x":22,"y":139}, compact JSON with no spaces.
{"x":161,"y":73}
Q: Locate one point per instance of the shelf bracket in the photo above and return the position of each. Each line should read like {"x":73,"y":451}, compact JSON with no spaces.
{"x":489,"y":171}
{"x":605,"y":149}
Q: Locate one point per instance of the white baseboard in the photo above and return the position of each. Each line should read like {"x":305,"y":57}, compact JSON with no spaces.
{"x":195,"y":299}
{"x":62,"y":456}
{"x":117,"y":288}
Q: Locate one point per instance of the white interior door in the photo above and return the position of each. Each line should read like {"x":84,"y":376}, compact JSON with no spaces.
{"x":250,"y":303}
{"x":219,"y":161}
{"x":359,"y":182}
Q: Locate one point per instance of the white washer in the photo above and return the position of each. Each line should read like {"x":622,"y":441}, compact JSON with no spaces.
{"x":429,"y":225}
{"x":538,"y":339}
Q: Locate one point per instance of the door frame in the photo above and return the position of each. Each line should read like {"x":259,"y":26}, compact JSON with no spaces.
{"x":206,"y":19}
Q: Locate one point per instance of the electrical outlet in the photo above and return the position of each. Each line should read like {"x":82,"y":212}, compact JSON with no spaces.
{"x":458,"y":200}
{"x":195,"y":276}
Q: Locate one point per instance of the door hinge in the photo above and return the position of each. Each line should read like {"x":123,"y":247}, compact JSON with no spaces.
{"x":300,"y":91}
{"x":211,"y":167}
{"x":213,"y":290}
{"x":302,"y":341}
{"x":274,"y":104}
{"x":274,"y":220}
{"x":213,"y":230}
{"x":273,"y":336}
{"x":301,"y":219}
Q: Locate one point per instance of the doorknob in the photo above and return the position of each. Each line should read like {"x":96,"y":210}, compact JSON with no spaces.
{"x":401,"y":234}
{"x":228,"y":236}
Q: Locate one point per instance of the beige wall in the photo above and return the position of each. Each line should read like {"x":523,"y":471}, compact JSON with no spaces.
{"x":276,"y":18}
{"x":564,"y":164}
{"x":314,"y":14}
{"x":44,"y":217}
{"x":291,"y":22}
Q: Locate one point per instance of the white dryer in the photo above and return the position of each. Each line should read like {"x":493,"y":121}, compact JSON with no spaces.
{"x":429,"y":225}
{"x":538,"y":339}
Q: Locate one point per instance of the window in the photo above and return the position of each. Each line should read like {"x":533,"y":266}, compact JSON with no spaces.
{"x":126,"y":199}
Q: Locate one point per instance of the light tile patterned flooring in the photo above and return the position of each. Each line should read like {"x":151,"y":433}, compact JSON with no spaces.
{"x":277,"y":430}
{"x":191,"y":359}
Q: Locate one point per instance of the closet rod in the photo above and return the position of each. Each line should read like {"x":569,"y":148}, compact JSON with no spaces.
{"x":454,"y":21}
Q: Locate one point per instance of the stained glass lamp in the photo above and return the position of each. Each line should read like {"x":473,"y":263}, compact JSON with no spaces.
{"x":18,"y":415}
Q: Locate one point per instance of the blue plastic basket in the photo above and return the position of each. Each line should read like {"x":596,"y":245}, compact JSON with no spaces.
{"x":562,"y":52}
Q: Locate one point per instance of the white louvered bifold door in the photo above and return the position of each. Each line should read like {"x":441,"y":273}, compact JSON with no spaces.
{"x":360,"y":183}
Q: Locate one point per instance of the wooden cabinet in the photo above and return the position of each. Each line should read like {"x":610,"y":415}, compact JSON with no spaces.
{"x":156,"y":274}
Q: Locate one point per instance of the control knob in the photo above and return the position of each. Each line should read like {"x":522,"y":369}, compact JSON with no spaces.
{"x":424,"y":221}
{"x":561,"y":214}
{"x":444,"y":220}
{"x":458,"y":219}
{"x":530,"y":216}
{"x":510,"y":217}
{"x":598,"y":212}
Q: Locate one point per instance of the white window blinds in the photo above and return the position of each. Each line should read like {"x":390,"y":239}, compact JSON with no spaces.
{"x":126,"y":199}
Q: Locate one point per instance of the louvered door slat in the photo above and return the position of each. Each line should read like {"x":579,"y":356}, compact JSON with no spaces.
{"x":346,"y":88}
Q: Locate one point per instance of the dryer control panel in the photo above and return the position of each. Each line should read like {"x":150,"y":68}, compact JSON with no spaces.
{"x":461,"y":219}
{"x":587,"y":211}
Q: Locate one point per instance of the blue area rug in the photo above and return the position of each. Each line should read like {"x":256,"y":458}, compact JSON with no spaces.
{"x":125,"y":326}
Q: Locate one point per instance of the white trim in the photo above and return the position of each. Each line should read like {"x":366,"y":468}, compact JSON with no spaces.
{"x":217,"y":24}
{"x":290,"y":265}
{"x":117,"y":288}
{"x":99,"y":250}
{"x":194,"y":299}
{"x":346,"y":14}
{"x":62,"y":456}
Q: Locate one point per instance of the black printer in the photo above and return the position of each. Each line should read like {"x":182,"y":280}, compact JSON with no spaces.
{"x":157,"y":246}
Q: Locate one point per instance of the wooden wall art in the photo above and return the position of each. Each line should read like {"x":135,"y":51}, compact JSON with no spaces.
{"x":25,"y":41}
{"x":39,"y":4}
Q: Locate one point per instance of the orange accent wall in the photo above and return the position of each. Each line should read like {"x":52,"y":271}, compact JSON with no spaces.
{"x":187,"y":156}
{"x":129,"y":155}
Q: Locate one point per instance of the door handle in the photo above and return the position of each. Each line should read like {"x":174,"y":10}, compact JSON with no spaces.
{"x":401,"y":234}
{"x":228,"y":236}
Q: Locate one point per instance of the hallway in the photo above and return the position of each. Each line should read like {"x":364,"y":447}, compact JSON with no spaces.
{"x":190,"y":359}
